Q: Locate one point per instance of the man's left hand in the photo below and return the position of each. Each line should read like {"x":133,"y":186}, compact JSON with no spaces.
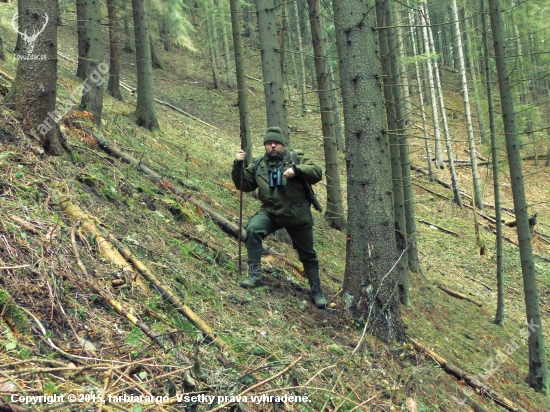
{"x":289,"y":173}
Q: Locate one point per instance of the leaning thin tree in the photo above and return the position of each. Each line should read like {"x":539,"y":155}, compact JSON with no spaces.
{"x":538,"y":367}
{"x":370,"y":279}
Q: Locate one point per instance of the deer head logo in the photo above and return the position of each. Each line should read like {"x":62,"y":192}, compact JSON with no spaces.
{"x":29,"y":40}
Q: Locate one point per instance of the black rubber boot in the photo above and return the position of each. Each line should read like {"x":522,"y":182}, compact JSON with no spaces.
{"x":318,"y":296}
{"x":254,"y":278}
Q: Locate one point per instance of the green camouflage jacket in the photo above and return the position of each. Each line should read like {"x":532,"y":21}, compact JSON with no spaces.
{"x":288,"y":206}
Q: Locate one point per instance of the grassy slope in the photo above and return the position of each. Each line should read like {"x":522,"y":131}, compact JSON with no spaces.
{"x":267,"y":327}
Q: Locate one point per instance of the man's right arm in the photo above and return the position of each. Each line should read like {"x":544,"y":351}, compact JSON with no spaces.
{"x":249,"y":178}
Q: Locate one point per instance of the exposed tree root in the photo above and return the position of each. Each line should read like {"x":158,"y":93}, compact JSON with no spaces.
{"x":469,"y":379}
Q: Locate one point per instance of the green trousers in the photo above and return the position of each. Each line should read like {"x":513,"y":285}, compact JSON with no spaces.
{"x":261,"y":225}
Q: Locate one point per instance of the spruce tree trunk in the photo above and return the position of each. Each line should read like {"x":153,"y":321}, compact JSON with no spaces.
{"x":128,"y":40}
{"x":81,"y":32}
{"x":403,"y":77}
{"x":164,"y":31}
{"x":241,"y":80}
{"x":396,"y":80}
{"x":334,"y":213}
{"x":92,"y":99}
{"x":457,"y":197}
{"x":538,"y":366}
{"x":499,"y":315}
{"x":301,"y":59}
{"x":113,"y":87}
{"x":338,"y":130}
{"x":371,"y":251}
{"x":468,"y":115}
{"x":400,"y":218}
{"x":275,"y":101}
{"x":145,"y":106}
{"x":229,"y":80}
{"x":35,"y":88}
{"x":288,"y":32}
{"x":2,"y":56}
{"x":470,"y":66}
{"x":421,"y":97}
{"x":440,"y":164}
{"x":155,"y":59}
{"x":212,"y":45}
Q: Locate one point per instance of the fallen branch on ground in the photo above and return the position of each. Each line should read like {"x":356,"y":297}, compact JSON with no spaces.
{"x":450,"y":232}
{"x":469,"y":379}
{"x":165,"y":292}
{"x":458,"y":295}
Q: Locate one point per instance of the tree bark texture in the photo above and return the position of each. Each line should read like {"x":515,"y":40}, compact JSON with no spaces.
{"x":229,"y":79}
{"x":335,"y":208}
{"x":275,"y":101}
{"x":371,"y":277}
{"x":92,"y":100}
{"x":80,"y":30}
{"x":303,"y":87}
{"x":35,"y":82}
{"x":145,"y":106}
{"x":538,"y":369}
{"x":113,"y":87}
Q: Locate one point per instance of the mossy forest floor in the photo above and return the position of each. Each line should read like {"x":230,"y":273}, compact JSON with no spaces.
{"x":265,"y":329}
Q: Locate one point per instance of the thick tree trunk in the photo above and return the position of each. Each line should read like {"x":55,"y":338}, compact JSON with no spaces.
{"x":403,"y":77}
{"x":81,"y":30}
{"x":275,"y":101}
{"x":457,"y":198}
{"x":499,"y":315}
{"x":301,"y":59}
{"x":421,"y":97}
{"x":466,"y":99}
{"x":437,"y":132}
{"x":35,"y":84}
{"x":538,"y":367}
{"x":113,"y":87}
{"x":334,"y":214}
{"x":145,"y":106}
{"x":92,"y":99}
{"x":371,"y":254}
{"x":246,"y":138}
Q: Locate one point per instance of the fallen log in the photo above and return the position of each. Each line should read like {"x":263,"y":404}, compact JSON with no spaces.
{"x":458,"y":295}
{"x":165,"y":292}
{"x":450,"y":232}
{"x":76,"y":214}
{"x":469,"y":379}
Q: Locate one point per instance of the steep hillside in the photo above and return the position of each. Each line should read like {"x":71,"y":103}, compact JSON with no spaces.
{"x":59,"y":335}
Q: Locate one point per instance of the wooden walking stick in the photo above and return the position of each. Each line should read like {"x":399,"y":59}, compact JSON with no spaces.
{"x":239,"y":240}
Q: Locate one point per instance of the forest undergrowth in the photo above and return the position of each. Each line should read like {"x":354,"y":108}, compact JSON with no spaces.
{"x":59,"y":334}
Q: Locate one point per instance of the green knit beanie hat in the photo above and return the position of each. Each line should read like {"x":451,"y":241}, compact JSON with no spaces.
{"x":274,"y":134}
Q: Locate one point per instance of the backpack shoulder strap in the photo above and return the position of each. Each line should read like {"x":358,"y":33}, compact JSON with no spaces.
{"x":294,"y":158}
{"x":257,"y":162}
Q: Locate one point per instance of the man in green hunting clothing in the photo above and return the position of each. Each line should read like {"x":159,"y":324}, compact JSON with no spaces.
{"x":280,"y":183}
